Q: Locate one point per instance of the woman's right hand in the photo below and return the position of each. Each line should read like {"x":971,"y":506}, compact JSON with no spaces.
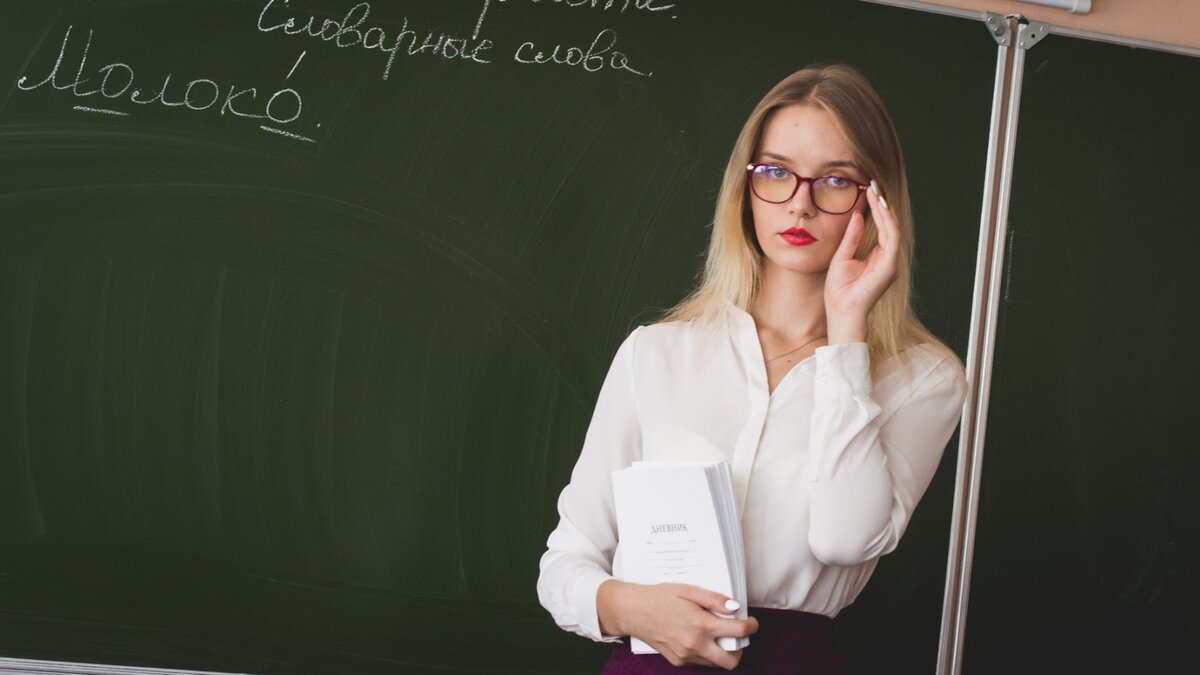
{"x":675,"y":619}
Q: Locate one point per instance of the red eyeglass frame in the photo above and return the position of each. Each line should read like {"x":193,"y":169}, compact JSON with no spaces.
{"x":800,"y":180}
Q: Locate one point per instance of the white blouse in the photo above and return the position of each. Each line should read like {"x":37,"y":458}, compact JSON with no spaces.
{"x":827,"y":468}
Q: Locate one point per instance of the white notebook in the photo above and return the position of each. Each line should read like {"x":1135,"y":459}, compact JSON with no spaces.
{"x":678,"y":523}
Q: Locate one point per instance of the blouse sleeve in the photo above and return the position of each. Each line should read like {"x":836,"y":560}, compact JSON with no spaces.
{"x":867,"y":473}
{"x":580,"y":550}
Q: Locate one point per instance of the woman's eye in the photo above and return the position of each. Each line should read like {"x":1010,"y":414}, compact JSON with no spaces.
{"x":778,"y":173}
{"x":836,"y":181}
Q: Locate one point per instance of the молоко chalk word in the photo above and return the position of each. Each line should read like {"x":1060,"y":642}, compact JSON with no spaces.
{"x":116,"y":82}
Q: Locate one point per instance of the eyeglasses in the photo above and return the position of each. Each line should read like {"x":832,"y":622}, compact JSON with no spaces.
{"x":774,"y":184}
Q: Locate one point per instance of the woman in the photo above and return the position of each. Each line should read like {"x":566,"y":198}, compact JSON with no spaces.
{"x":798,"y":360}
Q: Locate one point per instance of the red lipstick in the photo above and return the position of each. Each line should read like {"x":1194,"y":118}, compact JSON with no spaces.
{"x":798,"y":236}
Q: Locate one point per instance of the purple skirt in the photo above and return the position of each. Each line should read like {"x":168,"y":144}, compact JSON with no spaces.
{"x":787,"y":643}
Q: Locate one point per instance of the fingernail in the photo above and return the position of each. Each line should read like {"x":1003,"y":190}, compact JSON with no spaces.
{"x":883,"y":202}
{"x":732,"y":605}
{"x":875,"y":188}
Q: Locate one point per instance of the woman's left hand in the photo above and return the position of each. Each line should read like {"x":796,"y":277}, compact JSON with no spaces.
{"x":853,"y":286}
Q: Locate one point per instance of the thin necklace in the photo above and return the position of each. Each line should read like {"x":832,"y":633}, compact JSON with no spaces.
{"x":792,"y":351}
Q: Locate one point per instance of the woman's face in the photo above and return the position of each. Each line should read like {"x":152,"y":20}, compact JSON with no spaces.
{"x":796,"y":236}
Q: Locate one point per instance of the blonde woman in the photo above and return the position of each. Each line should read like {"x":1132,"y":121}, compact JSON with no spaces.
{"x":798,"y":359}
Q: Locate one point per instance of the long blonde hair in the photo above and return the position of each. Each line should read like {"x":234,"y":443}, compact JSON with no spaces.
{"x":733,"y":270}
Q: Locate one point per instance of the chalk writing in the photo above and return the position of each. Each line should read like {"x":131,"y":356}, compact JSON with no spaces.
{"x":591,"y":60}
{"x":352,"y":30}
{"x":348,"y":33}
{"x":117,"y":82}
{"x":602,"y":5}
{"x":115,"y":85}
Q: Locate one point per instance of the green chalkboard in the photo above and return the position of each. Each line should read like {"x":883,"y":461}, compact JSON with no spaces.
{"x":300,"y":334}
{"x":1088,"y":554}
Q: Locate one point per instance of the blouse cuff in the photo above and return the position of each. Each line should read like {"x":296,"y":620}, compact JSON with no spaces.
{"x":843,"y":370}
{"x":585,"y":604}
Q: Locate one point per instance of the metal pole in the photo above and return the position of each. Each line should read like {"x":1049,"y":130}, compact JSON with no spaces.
{"x":1013,"y":38}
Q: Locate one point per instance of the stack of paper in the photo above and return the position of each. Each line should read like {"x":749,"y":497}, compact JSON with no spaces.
{"x":678,"y":523}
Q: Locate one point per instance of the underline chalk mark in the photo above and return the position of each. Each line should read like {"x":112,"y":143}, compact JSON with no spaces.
{"x":106,"y":111}
{"x":289,"y":134}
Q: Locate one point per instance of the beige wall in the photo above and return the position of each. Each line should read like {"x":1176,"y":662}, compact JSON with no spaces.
{"x":1174,"y":22}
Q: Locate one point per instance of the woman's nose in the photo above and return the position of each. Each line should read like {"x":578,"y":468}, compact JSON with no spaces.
{"x":802,"y":201}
